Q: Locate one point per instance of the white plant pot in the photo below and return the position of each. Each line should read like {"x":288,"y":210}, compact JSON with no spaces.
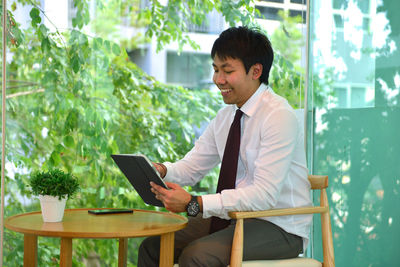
{"x":52,"y":208}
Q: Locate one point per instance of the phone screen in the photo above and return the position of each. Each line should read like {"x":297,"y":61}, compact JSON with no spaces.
{"x":110,"y":211}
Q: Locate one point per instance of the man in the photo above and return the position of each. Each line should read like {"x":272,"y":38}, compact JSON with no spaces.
{"x":269,"y":169}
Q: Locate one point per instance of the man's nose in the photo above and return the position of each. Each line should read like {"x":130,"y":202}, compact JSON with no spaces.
{"x":220,"y":78}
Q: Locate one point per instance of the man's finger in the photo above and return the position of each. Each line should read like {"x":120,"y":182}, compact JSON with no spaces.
{"x":155,"y":186}
{"x":159,"y":188}
{"x":171,"y":185}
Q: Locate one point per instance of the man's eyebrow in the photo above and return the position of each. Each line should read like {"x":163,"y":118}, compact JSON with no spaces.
{"x":223,"y":65}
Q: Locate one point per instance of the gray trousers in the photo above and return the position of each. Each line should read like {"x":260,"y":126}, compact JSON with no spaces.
{"x":194,"y":246}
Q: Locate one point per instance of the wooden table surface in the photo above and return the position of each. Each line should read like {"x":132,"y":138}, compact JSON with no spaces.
{"x":78,"y":223}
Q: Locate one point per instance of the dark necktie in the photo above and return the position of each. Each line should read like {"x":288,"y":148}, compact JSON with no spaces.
{"x":227,"y":174}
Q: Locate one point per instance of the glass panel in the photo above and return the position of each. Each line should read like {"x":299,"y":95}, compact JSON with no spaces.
{"x":295,"y":13}
{"x":357,"y":97}
{"x":275,"y":1}
{"x":214,"y":23}
{"x":195,"y":65}
{"x":363,"y":5}
{"x":354,"y":131}
{"x":341,"y":96}
{"x":74,"y":97}
{"x":338,"y":21}
{"x":338,"y":4}
{"x":269,"y":12}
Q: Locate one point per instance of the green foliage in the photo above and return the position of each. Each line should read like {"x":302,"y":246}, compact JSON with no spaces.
{"x":74,"y":99}
{"x":119,"y":12}
{"x":54,"y":182}
{"x":170,"y":22}
{"x":14,"y":35}
{"x":165,"y":22}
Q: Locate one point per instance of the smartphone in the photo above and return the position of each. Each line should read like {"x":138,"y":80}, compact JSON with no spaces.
{"x":110,"y":211}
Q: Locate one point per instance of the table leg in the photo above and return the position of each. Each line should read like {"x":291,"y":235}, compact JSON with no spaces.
{"x":66,"y":252}
{"x":167,"y":250}
{"x":30,"y":250}
{"x":122,"y":252}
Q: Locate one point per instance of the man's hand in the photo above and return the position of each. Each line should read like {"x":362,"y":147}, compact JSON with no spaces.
{"x":162,"y":170}
{"x":175,"y":199}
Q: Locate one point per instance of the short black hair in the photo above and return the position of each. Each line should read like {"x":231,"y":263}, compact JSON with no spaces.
{"x":250,"y":46}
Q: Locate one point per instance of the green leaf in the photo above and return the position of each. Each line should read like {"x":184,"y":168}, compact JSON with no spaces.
{"x":121,"y":190}
{"x":78,"y":20}
{"x":161,"y":152}
{"x":69,"y":141}
{"x":89,"y":190}
{"x":102,"y":193}
{"x":107,"y":45}
{"x":82,"y":39}
{"x":43,"y":30}
{"x":45,"y":45}
{"x":75,"y":63}
{"x":74,"y":22}
{"x":60,"y":148}
{"x":35,"y":15}
{"x":106,"y":62}
{"x":49,"y":77}
{"x":116,"y":49}
{"x":77,"y":86}
{"x":97,"y":43}
{"x":55,"y":157}
{"x":71,"y":122}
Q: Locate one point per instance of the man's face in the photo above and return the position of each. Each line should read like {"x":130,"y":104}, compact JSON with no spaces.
{"x":235,"y":85}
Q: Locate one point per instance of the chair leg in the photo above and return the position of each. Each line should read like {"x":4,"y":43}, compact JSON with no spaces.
{"x":237,"y":245}
{"x":327,"y":242}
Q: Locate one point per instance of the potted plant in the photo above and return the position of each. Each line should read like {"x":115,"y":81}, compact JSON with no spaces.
{"x":53,"y":187}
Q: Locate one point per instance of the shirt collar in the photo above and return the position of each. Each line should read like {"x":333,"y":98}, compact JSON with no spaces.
{"x":249,"y":107}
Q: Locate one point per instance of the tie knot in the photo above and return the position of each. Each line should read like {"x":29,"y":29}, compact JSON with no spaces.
{"x":238,"y":114}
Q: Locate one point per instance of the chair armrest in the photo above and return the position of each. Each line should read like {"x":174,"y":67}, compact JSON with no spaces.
{"x":276,"y":212}
{"x":237,"y":244}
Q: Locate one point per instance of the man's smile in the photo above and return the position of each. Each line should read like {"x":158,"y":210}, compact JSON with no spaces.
{"x":225,"y":91}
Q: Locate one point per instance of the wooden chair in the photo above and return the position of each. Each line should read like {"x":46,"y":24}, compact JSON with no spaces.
{"x":317,"y":182}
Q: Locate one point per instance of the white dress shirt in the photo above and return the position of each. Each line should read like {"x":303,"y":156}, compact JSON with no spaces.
{"x":272,"y":170}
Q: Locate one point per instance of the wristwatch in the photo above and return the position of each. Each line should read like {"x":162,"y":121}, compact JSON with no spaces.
{"x":193,"y":207}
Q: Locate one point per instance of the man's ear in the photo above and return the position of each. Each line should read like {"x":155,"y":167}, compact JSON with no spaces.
{"x":256,"y":71}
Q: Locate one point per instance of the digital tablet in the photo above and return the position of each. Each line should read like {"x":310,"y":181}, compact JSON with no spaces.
{"x":140,"y":172}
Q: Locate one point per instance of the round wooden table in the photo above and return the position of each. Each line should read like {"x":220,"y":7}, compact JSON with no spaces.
{"x":78,"y":223}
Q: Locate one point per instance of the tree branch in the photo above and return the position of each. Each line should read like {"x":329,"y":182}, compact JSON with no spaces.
{"x":25,"y":93}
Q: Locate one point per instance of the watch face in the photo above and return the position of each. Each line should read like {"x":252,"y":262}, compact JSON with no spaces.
{"x":193,"y":208}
